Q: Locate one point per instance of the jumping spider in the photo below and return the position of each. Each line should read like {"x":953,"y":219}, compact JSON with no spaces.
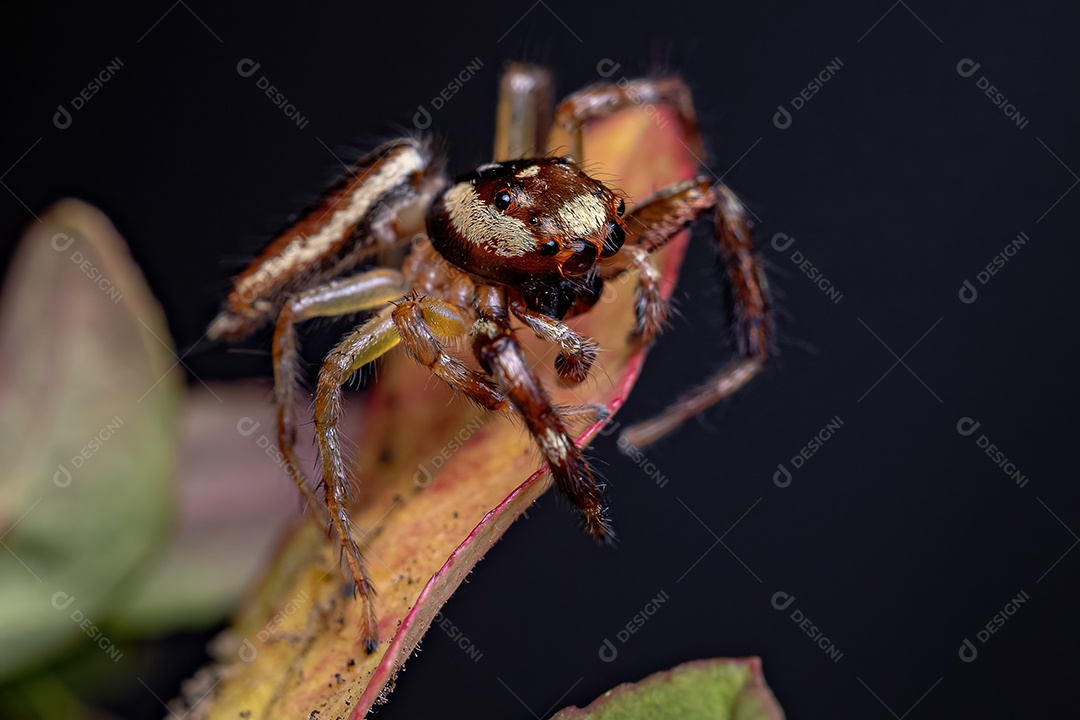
{"x":533,"y":238}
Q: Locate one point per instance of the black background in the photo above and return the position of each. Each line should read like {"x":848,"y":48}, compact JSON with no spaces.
{"x":899,"y":180}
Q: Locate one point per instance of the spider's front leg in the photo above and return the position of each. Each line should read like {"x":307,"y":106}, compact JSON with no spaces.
{"x":418,"y":323}
{"x":656,"y":221}
{"x":500,"y":354}
{"x":653,"y":224}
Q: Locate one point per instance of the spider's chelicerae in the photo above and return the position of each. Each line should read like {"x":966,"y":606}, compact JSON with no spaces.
{"x":533,"y":238}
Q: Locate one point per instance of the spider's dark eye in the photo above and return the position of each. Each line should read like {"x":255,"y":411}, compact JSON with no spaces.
{"x":534,"y":220}
{"x":549,"y":248}
{"x":615,"y":239}
{"x":502,"y":200}
{"x":622,"y":208}
{"x":581,"y":261}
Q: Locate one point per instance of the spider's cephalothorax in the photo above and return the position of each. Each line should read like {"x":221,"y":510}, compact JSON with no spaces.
{"x":526,"y":239}
{"x":539,"y":225}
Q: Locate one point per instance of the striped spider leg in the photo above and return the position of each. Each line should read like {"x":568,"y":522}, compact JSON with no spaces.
{"x":502,"y":356}
{"x":656,"y":221}
{"x":419,"y":323}
{"x":377,"y":205}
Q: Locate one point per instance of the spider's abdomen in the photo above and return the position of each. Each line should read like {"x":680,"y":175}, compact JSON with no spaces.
{"x":526,"y":222}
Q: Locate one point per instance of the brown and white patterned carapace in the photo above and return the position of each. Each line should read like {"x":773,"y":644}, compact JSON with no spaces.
{"x":509,"y":221}
{"x":526,"y":239}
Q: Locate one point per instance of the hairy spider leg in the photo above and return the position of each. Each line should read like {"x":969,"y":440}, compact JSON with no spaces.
{"x":584,"y":413}
{"x":602,"y":100}
{"x":377,"y":204}
{"x":417,"y":323}
{"x":605,"y":99}
{"x":500,"y":354}
{"x":524,"y":113}
{"x":363,"y":345}
{"x":367,"y":291}
{"x":654,"y":223}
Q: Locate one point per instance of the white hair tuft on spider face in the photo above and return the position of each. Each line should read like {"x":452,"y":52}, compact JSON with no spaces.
{"x":483,"y":225}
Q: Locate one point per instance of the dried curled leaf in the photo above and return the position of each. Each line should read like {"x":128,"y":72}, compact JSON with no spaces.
{"x":716,"y":689}
{"x":439,"y":485}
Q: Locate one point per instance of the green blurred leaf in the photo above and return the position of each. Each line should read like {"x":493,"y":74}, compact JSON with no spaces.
{"x":88,"y":397}
{"x":717,"y":689}
{"x":232,"y":504}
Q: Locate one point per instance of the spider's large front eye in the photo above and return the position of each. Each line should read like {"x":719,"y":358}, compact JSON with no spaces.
{"x":581,"y":261}
{"x":502,"y":200}
{"x":549,"y":248}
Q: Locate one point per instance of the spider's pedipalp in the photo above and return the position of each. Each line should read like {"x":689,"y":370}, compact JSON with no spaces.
{"x":577,"y":352}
